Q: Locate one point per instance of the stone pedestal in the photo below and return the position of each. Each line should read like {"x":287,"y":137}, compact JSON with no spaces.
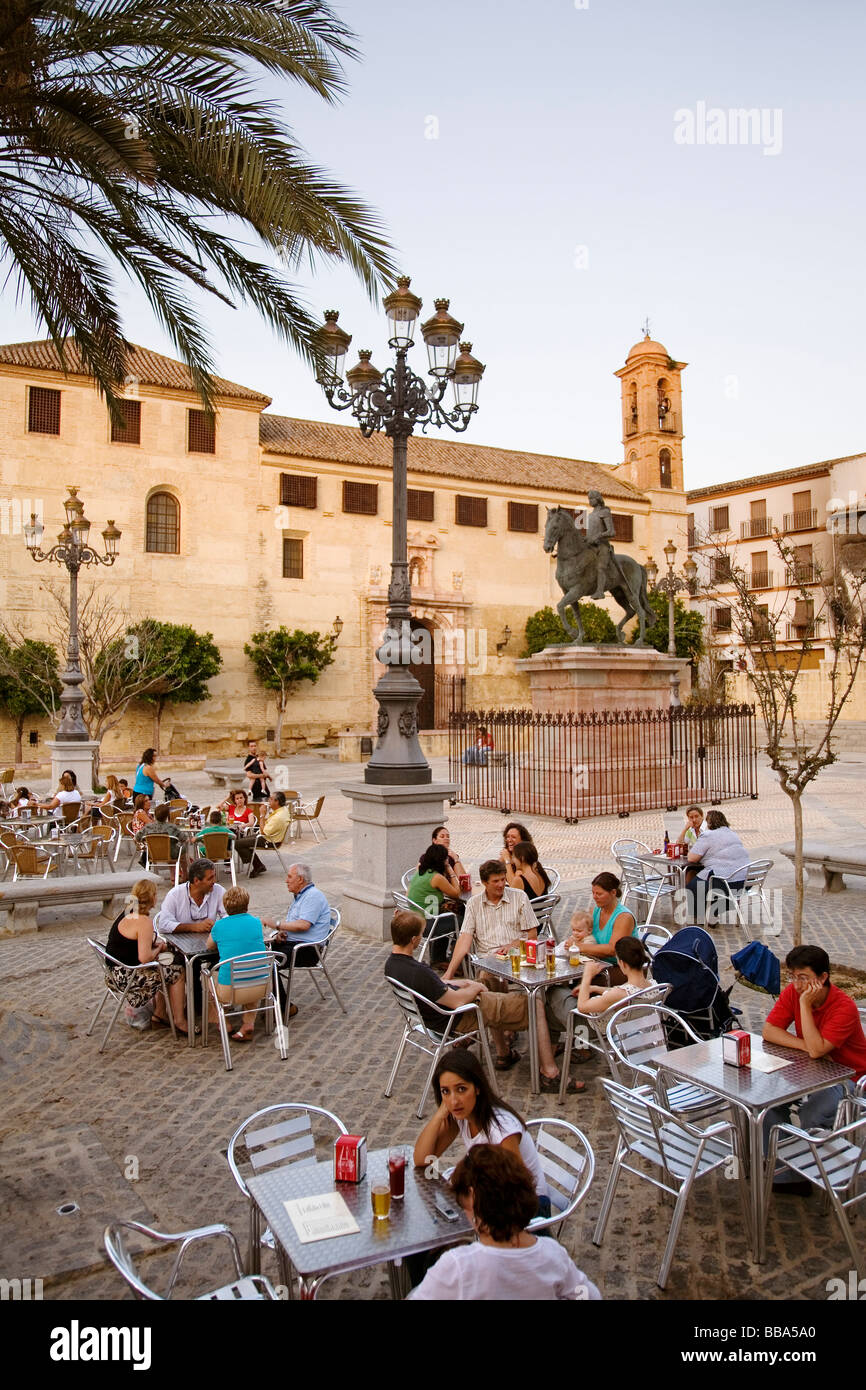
{"x":602,"y":679}
{"x":391,"y":826}
{"x":78,"y":757}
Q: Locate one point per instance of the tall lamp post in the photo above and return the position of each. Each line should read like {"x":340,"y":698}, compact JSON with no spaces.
{"x":395,"y":401}
{"x":72,"y":550}
{"x":670,"y":585}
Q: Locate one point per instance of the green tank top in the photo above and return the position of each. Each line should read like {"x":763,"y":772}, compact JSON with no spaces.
{"x":421,"y":893}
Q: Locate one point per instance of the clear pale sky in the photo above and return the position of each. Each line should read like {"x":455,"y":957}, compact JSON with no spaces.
{"x":555,"y":133}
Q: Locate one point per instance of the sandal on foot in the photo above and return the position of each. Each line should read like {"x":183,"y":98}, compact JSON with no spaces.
{"x":550,"y":1086}
{"x":240,"y":1036}
{"x":508,"y":1061}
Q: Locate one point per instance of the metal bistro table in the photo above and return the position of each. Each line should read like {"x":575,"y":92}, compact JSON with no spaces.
{"x":754,"y":1092}
{"x":670,"y":871}
{"x":414,"y":1224}
{"x":190,"y":944}
{"x":531,"y":979}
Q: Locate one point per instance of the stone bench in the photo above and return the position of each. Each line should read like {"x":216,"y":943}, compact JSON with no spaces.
{"x":21,"y":901}
{"x":222,"y":775}
{"x":834,"y":857}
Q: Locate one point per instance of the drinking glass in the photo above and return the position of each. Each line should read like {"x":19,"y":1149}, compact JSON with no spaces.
{"x":397,"y":1173}
{"x":380,"y":1196}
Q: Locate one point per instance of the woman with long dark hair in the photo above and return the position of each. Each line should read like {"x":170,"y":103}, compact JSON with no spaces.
{"x":434,"y":882}
{"x":526,"y":871}
{"x":145,"y":774}
{"x":469,"y":1109}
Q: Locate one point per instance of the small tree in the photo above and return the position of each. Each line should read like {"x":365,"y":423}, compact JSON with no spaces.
{"x":688,"y":628}
{"x":775,"y":665}
{"x":545,"y":629}
{"x":282,"y":659}
{"x":182,"y":662}
{"x":29,"y":682}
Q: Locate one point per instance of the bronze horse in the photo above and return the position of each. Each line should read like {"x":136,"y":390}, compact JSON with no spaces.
{"x":576,"y":568}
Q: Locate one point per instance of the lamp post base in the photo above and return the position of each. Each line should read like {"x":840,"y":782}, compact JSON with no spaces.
{"x":77,"y":758}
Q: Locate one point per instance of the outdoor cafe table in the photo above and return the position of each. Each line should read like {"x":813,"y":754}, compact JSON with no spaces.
{"x":531,"y":979}
{"x":413,"y":1225}
{"x":190,"y":944}
{"x":754,"y":1092}
{"x":672,"y":870}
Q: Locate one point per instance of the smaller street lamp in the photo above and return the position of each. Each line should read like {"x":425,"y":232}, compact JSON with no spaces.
{"x":670,"y":585}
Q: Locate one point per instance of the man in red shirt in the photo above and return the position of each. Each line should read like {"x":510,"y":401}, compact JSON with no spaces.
{"x":826,"y":1022}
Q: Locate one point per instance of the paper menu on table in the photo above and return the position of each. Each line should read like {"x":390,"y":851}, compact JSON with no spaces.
{"x":765,"y":1061}
{"x":320,"y":1218}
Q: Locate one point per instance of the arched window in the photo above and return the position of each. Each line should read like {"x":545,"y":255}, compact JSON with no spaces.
{"x":664,"y":400}
{"x":665,"y":468}
{"x":162,"y":535}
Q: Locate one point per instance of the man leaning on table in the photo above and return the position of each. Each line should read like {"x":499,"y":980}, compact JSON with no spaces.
{"x":196,"y":904}
{"x":826,"y":1024}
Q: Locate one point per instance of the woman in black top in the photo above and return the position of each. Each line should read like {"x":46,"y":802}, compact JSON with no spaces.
{"x":132,"y":941}
{"x":526,"y":870}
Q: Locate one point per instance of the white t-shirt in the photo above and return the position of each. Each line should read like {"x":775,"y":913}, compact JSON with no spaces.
{"x":503,"y":1124}
{"x":64,"y":798}
{"x":722,"y":852}
{"x":542,"y":1271}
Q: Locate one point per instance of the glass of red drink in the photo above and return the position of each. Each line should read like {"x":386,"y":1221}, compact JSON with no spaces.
{"x":397,"y":1173}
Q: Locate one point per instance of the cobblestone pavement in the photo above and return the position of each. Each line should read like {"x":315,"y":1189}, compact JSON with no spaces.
{"x":142,"y":1129}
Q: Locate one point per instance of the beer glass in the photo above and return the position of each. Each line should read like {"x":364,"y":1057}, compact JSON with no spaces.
{"x":515,"y":957}
{"x":380,"y":1196}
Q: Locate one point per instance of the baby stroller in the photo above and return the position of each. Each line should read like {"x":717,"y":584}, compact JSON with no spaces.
{"x":689,"y":964}
{"x":171,"y":793}
{"x":758,"y":968}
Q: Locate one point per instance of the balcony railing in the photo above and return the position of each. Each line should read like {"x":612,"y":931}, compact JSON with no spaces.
{"x":761,"y":579}
{"x":758,"y":526}
{"x":804,"y":573}
{"x":760,"y":633}
{"x":631,"y":425}
{"x":802,"y":632}
{"x":668,"y":423}
{"x":721,"y":624}
{"x":800,"y":521}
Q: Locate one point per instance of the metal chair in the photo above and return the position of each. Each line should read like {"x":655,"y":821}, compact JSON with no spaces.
{"x":646,"y":885}
{"x":321,"y":948}
{"x":125,"y":822}
{"x":638,"y":1041}
{"x":568,"y":1168}
{"x":71,"y":811}
{"x":158,"y":855}
{"x":258,"y":968}
{"x":629,"y":847}
{"x":681,"y":1152}
{"x":555,"y":878}
{"x":274,"y":1137}
{"x":407,"y":878}
{"x":7,"y":784}
{"x":96,"y":846}
{"x":594,"y":1032}
{"x":306,"y":814}
{"x":243,"y":1288}
{"x":219,"y":846}
{"x":32,"y":861}
{"x":113,"y":992}
{"x":744,"y":883}
{"x":834,"y":1162}
{"x":430,"y":1040}
{"x":544,"y":907}
{"x":440,"y":926}
{"x":176,"y":807}
{"x":653,"y":937}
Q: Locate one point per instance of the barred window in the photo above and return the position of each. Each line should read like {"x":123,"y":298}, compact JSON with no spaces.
{"x":623,"y":527}
{"x":523,"y":516}
{"x":162,"y":535}
{"x":297,"y":490}
{"x":722,"y":619}
{"x":293,"y":558}
{"x":43,"y":414}
{"x":127,"y":430}
{"x":361,"y":499}
{"x":721,"y":569}
{"x":720,"y":519}
{"x":420,"y":505}
{"x":470,"y":511}
{"x":201,"y":432}
{"x":665,"y":477}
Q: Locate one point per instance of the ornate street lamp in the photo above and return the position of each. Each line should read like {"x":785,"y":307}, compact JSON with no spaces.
{"x":670,"y":585}
{"x":72,"y":550}
{"x":395,"y":401}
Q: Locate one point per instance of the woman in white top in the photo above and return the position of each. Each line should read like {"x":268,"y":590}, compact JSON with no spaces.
{"x":693,"y":826}
{"x":634,"y":961}
{"x":67,"y":792}
{"x":496,"y":1192}
{"x":471,"y":1110}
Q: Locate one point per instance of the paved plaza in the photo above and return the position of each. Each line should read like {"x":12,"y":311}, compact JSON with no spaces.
{"x":142,"y":1129}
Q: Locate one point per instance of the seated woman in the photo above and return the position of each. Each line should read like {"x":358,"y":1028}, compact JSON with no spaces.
{"x":525,"y":870}
{"x":141,"y":816}
{"x":610,"y":922}
{"x":66,"y":794}
{"x":721,"y":854}
{"x":434,"y":889}
{"x":245,"y":824}
{"x":243,"y":850}
{"x":692,"y":828}
{"x":133,"y":941}
{"x":634,"y":961}
{"x":441,"y":836}
{"x":507,"y":1262}
{"x":23,"y":803}
{"x":237,"y":934}
{"x":513,"y":834}
{"x":469,"y":1109}
{"x":109,"y":802}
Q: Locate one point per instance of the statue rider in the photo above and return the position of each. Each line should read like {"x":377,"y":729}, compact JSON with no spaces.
{"x":599,"y":532}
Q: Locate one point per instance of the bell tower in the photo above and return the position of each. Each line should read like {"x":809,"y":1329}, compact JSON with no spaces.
{"x":652,"y":421}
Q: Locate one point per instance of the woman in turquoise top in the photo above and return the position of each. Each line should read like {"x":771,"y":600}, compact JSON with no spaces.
{"x":610,"y":923}
{"x":238,"y":934}
{"x":145,"y":774}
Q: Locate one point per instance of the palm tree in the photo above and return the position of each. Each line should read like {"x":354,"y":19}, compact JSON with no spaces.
{"x":131,"y":135}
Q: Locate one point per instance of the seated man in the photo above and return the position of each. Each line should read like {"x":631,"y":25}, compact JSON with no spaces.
{"x":242,"y":847}
{"x":277,"y":824}
{"x":495,"y":920}
{"x":307,"y":920}
{"x":196,"y":904}
{"x":161,"y":825}
{"x":826,"y":1023}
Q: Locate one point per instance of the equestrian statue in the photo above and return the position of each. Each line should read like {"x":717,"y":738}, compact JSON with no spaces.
{"x":587,"y":566}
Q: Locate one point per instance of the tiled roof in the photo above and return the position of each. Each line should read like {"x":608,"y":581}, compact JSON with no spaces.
{"x":475,"y":463}
{"x":809,"y":470}
{"x":150,"y":368}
